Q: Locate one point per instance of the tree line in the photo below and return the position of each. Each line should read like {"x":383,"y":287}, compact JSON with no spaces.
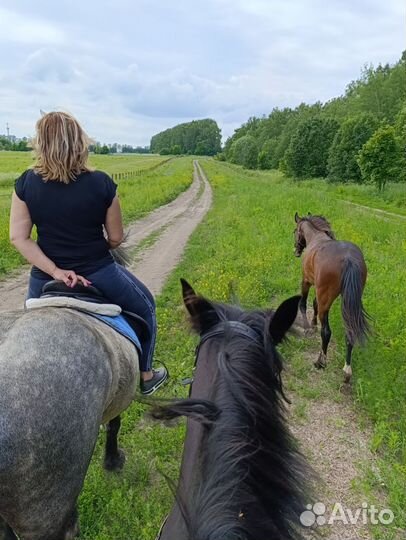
{"x":199,"y":137}
{"x":21,"y":145}
{"x":115,"y":148}
{"x":358,"y":137}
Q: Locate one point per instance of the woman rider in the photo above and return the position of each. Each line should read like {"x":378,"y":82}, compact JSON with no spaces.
{"x":70,"y":204}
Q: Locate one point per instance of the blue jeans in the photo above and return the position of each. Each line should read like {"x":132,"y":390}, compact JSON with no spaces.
{"x":119,"y":286}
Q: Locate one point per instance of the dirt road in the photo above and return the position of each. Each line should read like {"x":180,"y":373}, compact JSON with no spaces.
{"x":176,"y":221}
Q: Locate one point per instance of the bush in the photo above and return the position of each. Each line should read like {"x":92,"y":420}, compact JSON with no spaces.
{"x":263,"y":160}
{"x":176,"y":150}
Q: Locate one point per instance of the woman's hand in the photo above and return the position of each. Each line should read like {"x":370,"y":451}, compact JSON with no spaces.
{"x":70,"y":278}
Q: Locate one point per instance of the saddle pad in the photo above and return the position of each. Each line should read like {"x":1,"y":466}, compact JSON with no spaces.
{"x":109,"y":314}
{"x":110,"y":310}
{"x":120,"y":325}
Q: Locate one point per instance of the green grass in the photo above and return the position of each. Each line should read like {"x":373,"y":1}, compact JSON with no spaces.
{"x":116,"y":163}
{"x":13,"y":164}
{"x":139,"y":195}
{"x":250,"y":253}
{"x":391,"y":199}
{"x":137,"y":252}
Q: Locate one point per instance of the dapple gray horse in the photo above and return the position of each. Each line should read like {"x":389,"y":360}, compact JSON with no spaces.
{"x":62,"y":375}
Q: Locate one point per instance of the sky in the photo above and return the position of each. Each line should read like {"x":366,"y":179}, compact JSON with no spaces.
{"x":128,"y":69}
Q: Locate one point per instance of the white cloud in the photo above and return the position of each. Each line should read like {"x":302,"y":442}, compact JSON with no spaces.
{"x":17,"y":28}
{"x":131,"y":70}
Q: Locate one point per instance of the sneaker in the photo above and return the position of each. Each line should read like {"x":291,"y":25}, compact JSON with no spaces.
{"x":159,"y":376}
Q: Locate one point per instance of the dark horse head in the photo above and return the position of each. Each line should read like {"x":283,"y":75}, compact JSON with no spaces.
{"x":242,"y":477}
{"x":318,"y":223}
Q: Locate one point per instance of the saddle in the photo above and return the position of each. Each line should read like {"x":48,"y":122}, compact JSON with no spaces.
{"x":91,"y":300}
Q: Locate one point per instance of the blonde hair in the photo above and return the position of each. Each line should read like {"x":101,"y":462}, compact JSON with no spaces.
{"x":61,"y":147}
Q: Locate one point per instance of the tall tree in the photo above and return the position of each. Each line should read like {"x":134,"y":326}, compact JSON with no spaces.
{"x":308,"y":150}
{"x":376,"y":97}
{"x":379,"y":158}
{"x":202,"y":137}
{"x":245,"y":152}
{"x":348,"y":141}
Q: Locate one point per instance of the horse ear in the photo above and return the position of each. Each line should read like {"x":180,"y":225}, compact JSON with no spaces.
{"x":283,"y":319}
{"x":297,"y":218}
{"x":202,"y":311}
{"x":187,"y":289}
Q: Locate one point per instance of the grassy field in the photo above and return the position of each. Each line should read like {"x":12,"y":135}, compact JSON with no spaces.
{"x":391,"y":199}
{"x":251,"y":225}
{"x":139,"y":195}
{"x":13,"y":164}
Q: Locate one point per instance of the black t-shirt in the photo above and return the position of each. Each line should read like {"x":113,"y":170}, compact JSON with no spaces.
{"x":69,"y":218}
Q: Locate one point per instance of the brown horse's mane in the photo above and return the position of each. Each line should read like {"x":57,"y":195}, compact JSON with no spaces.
{"x":321,"y":224}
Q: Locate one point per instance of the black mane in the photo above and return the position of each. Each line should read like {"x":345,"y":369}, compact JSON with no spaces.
{"x":253,"y":477}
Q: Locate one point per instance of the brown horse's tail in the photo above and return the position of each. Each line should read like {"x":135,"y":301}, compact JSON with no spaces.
{"x":354,"y":315}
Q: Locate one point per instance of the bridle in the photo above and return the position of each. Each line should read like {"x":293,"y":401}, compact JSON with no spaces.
{"x":220,"y":329}
{"x":300,"y":242}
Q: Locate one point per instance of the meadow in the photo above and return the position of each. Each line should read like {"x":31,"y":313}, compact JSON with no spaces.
{"x":12,"y":164}
{"x":391,"y":199}
{"x":158,"y":181}
{"x":250,"y":255}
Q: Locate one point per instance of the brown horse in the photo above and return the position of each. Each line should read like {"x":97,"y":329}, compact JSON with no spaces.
{"x":334,"y":268}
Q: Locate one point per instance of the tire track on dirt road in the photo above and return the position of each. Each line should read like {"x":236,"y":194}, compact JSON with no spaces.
{"x":384,"y":214}
{"x":335,"y":436}
{"x":179,"y":218}
{"x":158,"y":261}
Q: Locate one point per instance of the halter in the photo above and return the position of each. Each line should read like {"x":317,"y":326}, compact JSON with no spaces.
{"x":241,"y":329}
